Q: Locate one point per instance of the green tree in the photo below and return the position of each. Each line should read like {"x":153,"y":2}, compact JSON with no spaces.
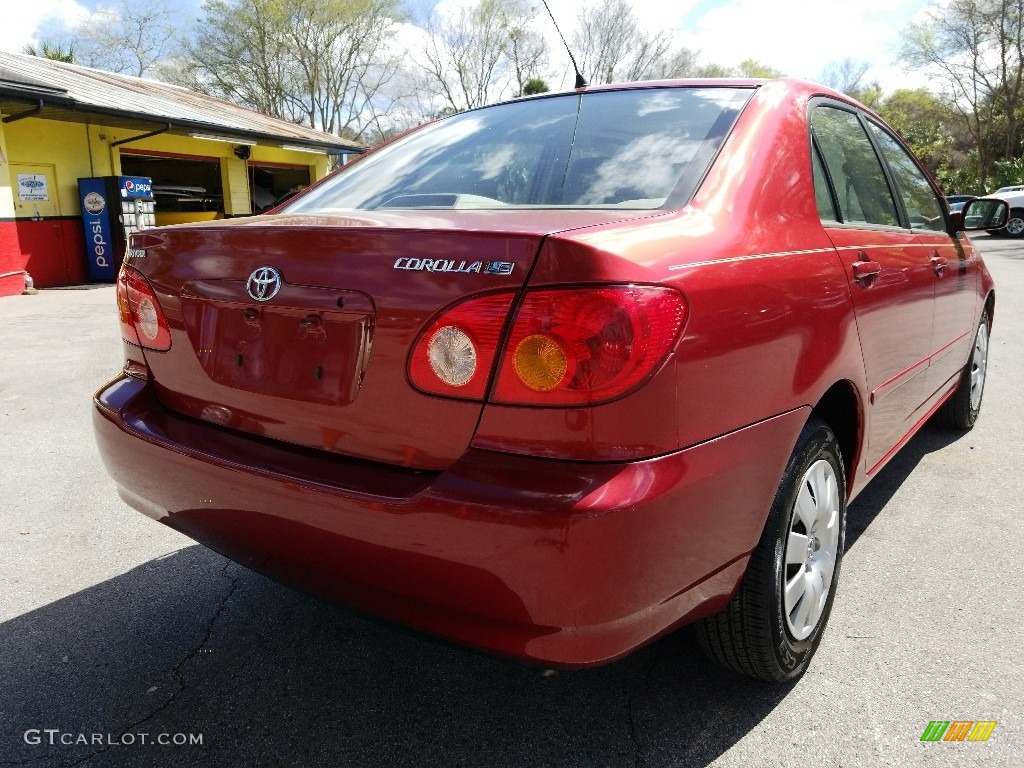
{"x":924,"y":120}
{"x":976,"y":48}
{"x":754,"y":68}
{"x":534,"y":86}
{"x":53,"y":51}
{"x":713,"y":70}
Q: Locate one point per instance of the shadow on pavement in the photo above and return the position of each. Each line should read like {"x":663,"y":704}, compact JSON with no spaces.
{"x":873,"y":499}
{"x":192,"y":644}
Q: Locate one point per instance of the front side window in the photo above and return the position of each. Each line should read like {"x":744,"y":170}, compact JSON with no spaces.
{"x":640,"y":149}
{"x":924,"y":209}
{"x":861,"y":188}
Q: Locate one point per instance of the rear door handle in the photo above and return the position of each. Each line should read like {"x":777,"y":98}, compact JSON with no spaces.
{"x":865,"y":272}
{"x":939,"y":265}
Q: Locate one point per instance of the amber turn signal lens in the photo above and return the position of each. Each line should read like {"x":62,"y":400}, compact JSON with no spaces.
{"x":540,"y":362}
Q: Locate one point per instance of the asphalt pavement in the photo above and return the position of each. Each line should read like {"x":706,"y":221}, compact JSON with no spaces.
{"x":117,"y":633}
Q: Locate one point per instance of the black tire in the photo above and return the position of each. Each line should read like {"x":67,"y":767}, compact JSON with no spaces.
{"x":1015,"y":224}
{"x":962,"y":409}
{"x":753,"y":635}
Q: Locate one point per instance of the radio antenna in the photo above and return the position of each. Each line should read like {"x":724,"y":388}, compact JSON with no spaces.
{"x":581,"y":82}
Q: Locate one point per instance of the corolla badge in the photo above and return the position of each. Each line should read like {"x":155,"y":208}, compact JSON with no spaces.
{"x":450,"y":265}
{"x":263,"y":284}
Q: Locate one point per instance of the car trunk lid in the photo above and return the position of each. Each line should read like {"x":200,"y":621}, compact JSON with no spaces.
{"x":323,"y":361}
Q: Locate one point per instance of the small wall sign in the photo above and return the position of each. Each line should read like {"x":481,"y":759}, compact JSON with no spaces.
{"x":32,"y":188}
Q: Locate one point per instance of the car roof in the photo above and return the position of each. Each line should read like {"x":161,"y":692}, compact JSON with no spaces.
{"x":791,"y":83}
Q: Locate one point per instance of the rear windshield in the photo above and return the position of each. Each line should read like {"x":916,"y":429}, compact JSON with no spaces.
{"x":634,"y":149}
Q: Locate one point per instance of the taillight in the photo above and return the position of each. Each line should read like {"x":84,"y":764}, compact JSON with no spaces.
{"x":571,"y":346}
{"x":142,"y":320}
{"x":455,"y":354}
{"x":579,"y":346}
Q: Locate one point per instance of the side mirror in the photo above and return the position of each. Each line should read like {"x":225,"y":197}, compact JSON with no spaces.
{"x":982,"y":213}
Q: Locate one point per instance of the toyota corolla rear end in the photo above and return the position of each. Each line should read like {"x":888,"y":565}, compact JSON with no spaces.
{"x":438,"y":389}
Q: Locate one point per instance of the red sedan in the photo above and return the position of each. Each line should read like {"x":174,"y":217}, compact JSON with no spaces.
{"x":554,"y":377}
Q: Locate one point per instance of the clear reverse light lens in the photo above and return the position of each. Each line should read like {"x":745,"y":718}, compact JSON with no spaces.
{"x":148,"y":323}
{"x":452,"y":356}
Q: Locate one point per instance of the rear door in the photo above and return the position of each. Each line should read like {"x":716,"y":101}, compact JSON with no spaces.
{"x":890,"y":275}
{"x":954,"y":266}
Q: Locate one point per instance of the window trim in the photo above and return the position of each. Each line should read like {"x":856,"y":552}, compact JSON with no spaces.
{"x":865,"y":118}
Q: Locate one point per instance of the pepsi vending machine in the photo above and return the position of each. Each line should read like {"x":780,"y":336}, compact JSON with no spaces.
{"x":112,"y":208}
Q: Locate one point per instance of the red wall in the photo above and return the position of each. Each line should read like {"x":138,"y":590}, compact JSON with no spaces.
{"x":52,"y":250}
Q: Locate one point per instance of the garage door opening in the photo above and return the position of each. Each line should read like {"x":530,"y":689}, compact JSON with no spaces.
{"x":270,"y":184}
{"x":186,"y":187}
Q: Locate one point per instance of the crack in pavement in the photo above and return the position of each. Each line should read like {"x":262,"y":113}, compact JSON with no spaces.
{"x":175,"y":672}
{"x":634,"y":727}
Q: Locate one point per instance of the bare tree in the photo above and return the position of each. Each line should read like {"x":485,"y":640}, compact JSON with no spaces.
{"x":240,"y":53}
{"x":682,"y":62}
{"x":481,"y":53}
{"x":845,"y":75}
{"x":339,"y":47}
{"x":525,"y":48}
{"x":612,"y":45}
{"x":324,"y":63}
{"x":126,"y":37}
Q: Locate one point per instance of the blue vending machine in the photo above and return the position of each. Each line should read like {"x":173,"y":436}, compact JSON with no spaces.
{"x":112,"y":208}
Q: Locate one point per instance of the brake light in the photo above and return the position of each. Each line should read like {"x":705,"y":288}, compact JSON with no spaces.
{"x":455,"y":355}
{"x":568,"y":346}
{"x":142,"y":320}
{"x":581,"y":346}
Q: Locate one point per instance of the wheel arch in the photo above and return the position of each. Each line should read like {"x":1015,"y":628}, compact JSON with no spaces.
{"x":840,"y":408}
{"x":1016,"y":212}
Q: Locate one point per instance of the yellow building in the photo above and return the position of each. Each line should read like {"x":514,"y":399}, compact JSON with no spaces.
{"x":207,"y":158}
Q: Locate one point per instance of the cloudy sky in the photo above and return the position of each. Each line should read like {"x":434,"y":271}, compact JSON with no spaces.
{"x":798,"y":37}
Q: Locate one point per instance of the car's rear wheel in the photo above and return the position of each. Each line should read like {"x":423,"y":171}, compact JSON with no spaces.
{"x":962,"y":409}
{"x":774,"y":622}
{"x":1015,"y":224}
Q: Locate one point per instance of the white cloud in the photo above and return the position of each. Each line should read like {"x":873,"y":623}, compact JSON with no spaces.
{"x":800,"y":38}
{"x":22,"y":20}
{"x":795,"y":36}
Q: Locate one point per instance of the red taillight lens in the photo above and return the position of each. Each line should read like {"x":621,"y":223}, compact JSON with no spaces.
{"x":455,"y":354}
{"x":142,"y":320}
{"x":586,"y":345}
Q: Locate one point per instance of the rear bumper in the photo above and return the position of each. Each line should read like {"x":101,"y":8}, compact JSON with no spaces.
{"x":553,"y":562}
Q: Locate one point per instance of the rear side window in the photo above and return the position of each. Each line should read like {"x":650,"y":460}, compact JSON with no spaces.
{"x":822,"y":196}
{"x":643,"y":149}
{"x":924,"y":209}
{"x":859,"y":181}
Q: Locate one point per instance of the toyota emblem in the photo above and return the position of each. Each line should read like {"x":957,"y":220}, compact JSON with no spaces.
{"x":263,"y":284}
